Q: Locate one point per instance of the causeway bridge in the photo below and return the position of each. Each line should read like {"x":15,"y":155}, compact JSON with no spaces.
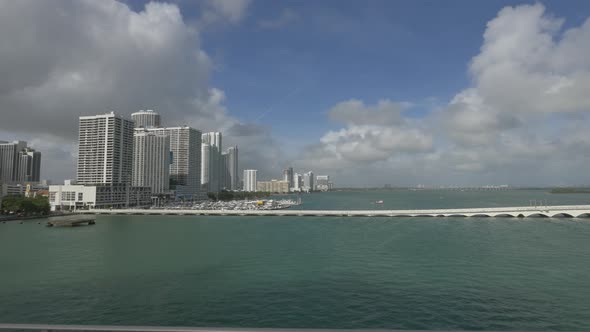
{"x":561,"y":211}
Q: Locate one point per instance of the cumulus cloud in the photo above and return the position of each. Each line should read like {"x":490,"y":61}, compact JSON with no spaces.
{"x":519,"y":122}
{"x":355,"y":112}
{"x":63,"y":59}
{"x":224,"y":10}
{"x":373,"y":133}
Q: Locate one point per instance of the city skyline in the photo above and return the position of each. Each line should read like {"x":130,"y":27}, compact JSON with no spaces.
{"x":368,"y":92}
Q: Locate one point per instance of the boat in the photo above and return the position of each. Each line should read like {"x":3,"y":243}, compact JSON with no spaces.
{"x":379,"y":202}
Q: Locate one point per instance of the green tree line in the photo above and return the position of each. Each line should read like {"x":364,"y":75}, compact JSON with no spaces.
{"x":24,"y":205}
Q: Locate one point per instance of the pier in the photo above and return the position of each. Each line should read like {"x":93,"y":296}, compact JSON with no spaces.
{"x":71,"y":222}
{"x":563,"y":211}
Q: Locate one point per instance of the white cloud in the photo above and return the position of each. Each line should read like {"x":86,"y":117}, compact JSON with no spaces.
{"x":224,"y":10}
{"x":521,"y":121}
{"x":63,"y":59}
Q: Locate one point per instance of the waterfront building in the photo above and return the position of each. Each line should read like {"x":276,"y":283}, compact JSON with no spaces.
{"x":29,"y":168}
{"x":205,"y":164}
{"x":104,"y":170}
{"x":273,"y":186}
{"x":71,"y":196}
{"x":288,"y":176}
{"x":308,"y":181}
{"x":230,"y":168}
{"x":185,"y":168}
{"x":250,"y":180}
{"x":214,"y":141}
{"x":322,"y":182}
{"x":146,"y":119}
{"x":105,"y":149}
{"x":151,"y":160}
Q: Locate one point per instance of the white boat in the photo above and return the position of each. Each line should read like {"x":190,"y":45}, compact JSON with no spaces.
{"x":379,"y":202}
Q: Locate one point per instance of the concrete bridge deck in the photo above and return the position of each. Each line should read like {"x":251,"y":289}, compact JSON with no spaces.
{"x":564,"y":211}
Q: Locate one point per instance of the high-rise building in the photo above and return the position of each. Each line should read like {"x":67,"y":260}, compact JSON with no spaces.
{"x":146,"y":119}
{"x":214,"y":141}
{"x":297,"y":182}
{"x":224,"y":179}
{"x":230,"y":168}
{"x":151,"y":160}
{"x":29,"y":168}
{"x":185,"y":168}
{"x":10,"y":160}
{"x":105,"y":149}
{"x":308,"y":181}
{"x":288,"y":176}
{"x":205,"y":163}
{"x":250,"y":179}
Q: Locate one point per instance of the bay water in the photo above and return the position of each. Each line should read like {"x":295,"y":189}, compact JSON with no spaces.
{"x":308,"y":272}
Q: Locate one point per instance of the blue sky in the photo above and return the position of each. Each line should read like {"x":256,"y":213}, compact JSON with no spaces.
{"x":369,"y":92}
{"x":334,"y":50}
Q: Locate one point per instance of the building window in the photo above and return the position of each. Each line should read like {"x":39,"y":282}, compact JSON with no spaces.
{"x":80,"y":197}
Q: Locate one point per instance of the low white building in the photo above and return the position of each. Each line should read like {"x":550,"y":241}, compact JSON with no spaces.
{"x":73,"y":196}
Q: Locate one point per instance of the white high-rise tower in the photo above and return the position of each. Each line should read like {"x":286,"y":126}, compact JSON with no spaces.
{"x":250,"y":179}
{"x":105,"y":149}
{"x":214,"y":141}
{"x":151,"y":160}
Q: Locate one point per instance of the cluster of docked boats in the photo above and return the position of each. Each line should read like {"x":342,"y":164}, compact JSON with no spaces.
{"x":270,"y":204}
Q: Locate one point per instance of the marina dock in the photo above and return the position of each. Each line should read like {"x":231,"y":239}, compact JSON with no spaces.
{"x":71,"y":222}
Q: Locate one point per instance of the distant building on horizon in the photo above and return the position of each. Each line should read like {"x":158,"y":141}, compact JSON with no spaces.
{"x":273,"y":186}
{"x":29,"y":166}
{"x":250,"y":180}
{"x":19,"y":164}
{"x":322,"y":183}
{"x":151,"y":160}
{"x":308,"y":181}
{"x":146,"y":119}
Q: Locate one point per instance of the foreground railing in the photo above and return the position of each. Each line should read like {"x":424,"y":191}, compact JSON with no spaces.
{"x":89,"y":328}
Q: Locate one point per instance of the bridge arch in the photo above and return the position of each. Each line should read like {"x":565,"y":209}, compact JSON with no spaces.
{"x":538,"y":215}
{"x":480,"y":215}
{"x":504,"y":215}
{"x":583,"y":215}
{"x":562,"y":215}
{"x":457,"y":215}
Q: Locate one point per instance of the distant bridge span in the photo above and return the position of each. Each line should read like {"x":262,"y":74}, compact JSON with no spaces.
{"x":563,"y":211}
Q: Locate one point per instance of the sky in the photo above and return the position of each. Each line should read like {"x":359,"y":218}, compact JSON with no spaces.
{"x":370,"y":92}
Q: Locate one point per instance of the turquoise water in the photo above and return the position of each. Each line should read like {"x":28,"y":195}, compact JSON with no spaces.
{"x":401,"y":273}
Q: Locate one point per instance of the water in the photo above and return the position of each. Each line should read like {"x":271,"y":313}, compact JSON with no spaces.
{"x":404,"y":273}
